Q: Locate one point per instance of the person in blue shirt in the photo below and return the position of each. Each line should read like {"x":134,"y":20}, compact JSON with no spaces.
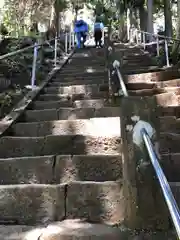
{"x":81,"y":29}
{"x":98,"y":28}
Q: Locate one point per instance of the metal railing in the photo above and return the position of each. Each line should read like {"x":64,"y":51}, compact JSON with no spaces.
{"x":140,"y":37}
{"x":165,"y":187}
{"x":69,"y":40}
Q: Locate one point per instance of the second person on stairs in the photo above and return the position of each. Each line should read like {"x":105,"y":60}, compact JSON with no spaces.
{"x":98,"y":29}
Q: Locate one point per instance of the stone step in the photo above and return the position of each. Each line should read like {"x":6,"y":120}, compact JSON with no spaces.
{"x":70,"y":78}
{"x":170,"y":124}
{"x":155,"y":91}
{"x":20,"y":232}
{"x":95,"y":202}
{"x":78,"y":96}
{"x":70,"y":113}
{"x":90,"y":127}
{"x":175,"y":187}
{"x":170,"y":83}
{"x":169,"y":142}
{"x":41,"y":105}
{"x":39,"y":203}
{"x":54,"y":169}
{"x":71,"y":144}
{"x":139,"y":70}
{"x":31,"y":204}
{"x":83,"y":69}
{"x":80,"y":230}
{"x":134,"y":63}
{"x":76,"y":82}
{"x":74,"y":89}
{"x":84,"y":74}
{"x":140,"y":85}
{"x":170,"y":163}
{"x":169,"y":111}
{"x":152,"y":76}
{"x":167,"y":99}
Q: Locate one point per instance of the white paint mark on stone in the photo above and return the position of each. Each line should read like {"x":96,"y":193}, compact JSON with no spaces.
{"x":135,"y":118}
{"x":137,"y":135}
{"x":116,"y":64}
{"x":109,"y":48}
{"x":129,"y":128}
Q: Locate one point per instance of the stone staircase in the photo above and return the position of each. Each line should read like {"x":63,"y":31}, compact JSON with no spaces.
{"x":61,"y":162}
{"x":62,"y":159}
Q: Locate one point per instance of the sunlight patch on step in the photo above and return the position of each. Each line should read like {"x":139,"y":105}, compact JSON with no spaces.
{"x":20,"y":232}
{"x":90,"y":70}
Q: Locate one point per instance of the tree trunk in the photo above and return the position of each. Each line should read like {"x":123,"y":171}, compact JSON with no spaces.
{"x":176,"y":45}
{"x":143,"y":15}
{"x":168,"y":18}
{"x":128,"y":24}
{"x":150,"y":26}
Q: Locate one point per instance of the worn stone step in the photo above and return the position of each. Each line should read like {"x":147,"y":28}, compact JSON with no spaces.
{"x":140,"y":85}
{"x":50,"y":145}
{"x":167,"y":99}
{"x":27,"y":170}
{"x":155,"y":91}
{"x":80,"y":230}
{"x":32,"y":203}
{"x":70,"y":113}
{"x":139,"y":70}
{"x":169,"y":111}
{"x":169,"y":142}
{"x":170,"y":124}
{"x":69,"y":78}
{"x":75,"y":89}
{"x":82,"y":69}
{"x":90,"y":127}
{"x":170,"y":83}
{"x":78,"y":96}
{"x":171,"y":165}
{"x":175,"y":187}
{"x":84,"y":74}
{"x":76,"y":82}
{"x":88,"y":168}
{"x":54,"y":169}
{"x":95,"y":202}
{"x":41,"y":105}
{"x":152,"y":76}
{"x":20,"y":232}
{"x":92,"y":103}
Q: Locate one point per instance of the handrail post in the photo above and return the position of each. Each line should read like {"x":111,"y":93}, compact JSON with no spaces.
{"x":144,"y":40}
{"x":73,"y":42}
{"x":70,"y":39}
{"x":157,"y":41}
{"x":55,"y":51}
{"x":166,"y":52}
{"x":66,"y":42}
{"x":33,"y":76}
{"x":137,"y":37}
{"x":130,"y":35}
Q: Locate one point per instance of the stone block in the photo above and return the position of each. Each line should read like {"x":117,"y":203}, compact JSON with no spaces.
{"x":31,"y":204}
{"x":95,"y":202}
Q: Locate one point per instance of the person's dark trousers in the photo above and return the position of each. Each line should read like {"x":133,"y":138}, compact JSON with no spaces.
{"x":98,"y":36}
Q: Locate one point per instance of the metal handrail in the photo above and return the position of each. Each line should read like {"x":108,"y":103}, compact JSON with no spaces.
{"x":158,"y":35}
{"x":168,"y":195}
{"x":122,"y":84}
{"x":22,"y":50}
